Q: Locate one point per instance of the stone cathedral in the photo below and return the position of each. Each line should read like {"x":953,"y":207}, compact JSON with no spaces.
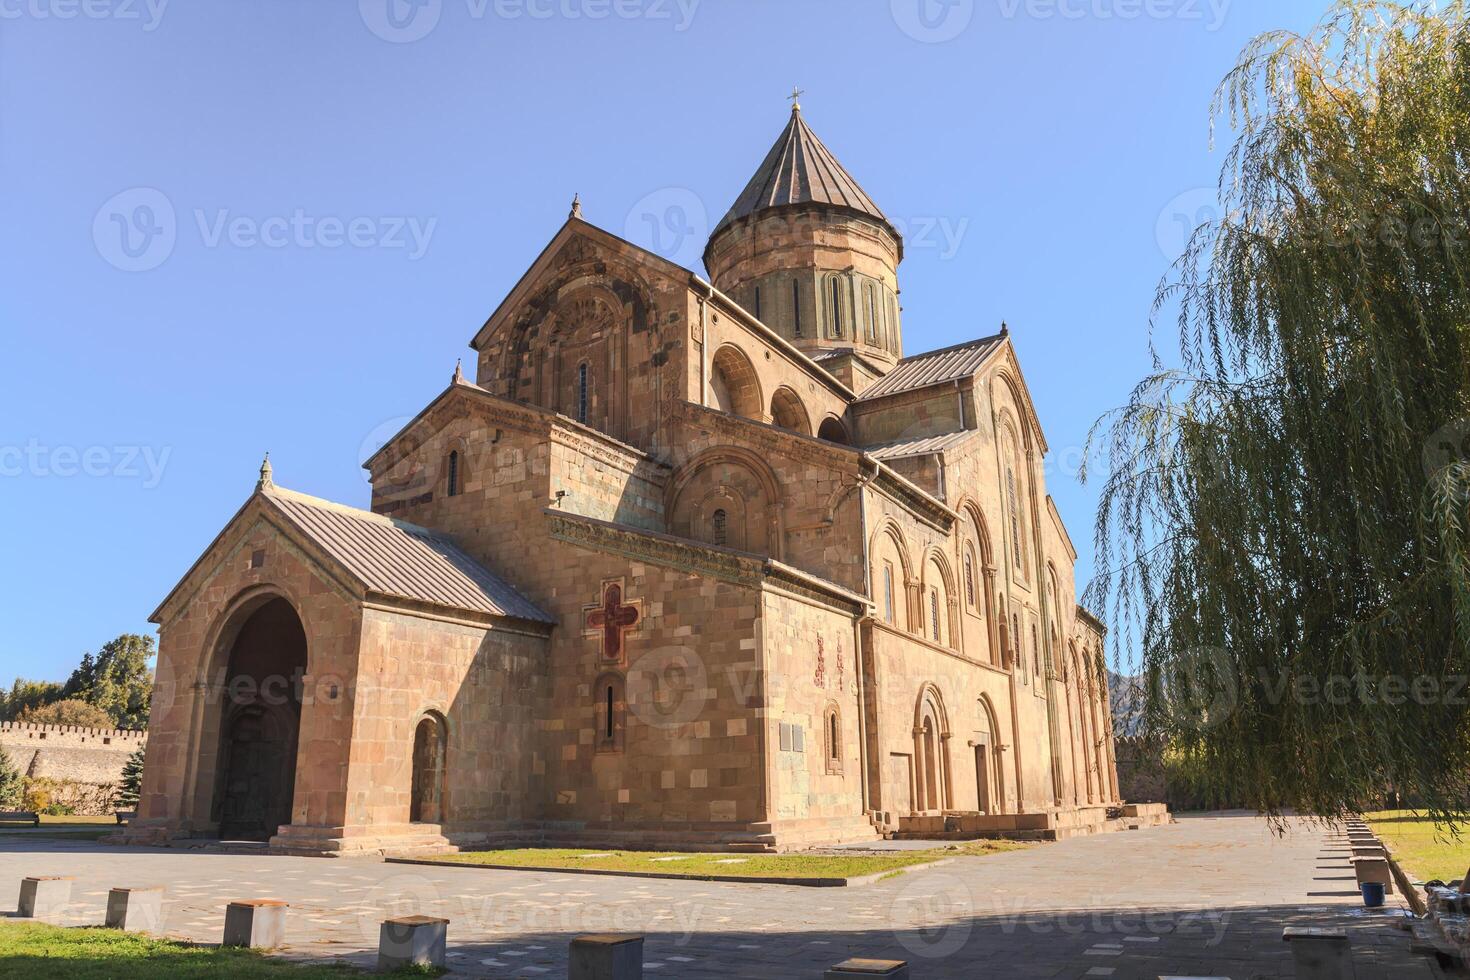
{"x":690,"y":563}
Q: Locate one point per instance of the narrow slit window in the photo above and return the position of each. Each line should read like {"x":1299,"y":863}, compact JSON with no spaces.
{"x":796,"y":306}
{"x":888,"y":594}
{"x":934,"y":614}
{"x":607,"y":731}
{"x":582,"y":374}
{"x":835,"y":322}
{"x":970,"y":581}
{"x":757,"y":302}
{"x":454,"y":473}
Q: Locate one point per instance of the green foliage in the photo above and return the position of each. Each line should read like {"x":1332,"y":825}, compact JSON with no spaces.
{"x":12,"y":783}
{"x":33,"y":949}
{"x":132,"y":780}
{"x":1283,"y":530}
{"x":70,"y":711}
{"x":116,"y":681}
{"x":26,"y":694}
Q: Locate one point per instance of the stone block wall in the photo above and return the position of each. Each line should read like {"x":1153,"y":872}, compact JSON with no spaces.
{"x":89,"y":758}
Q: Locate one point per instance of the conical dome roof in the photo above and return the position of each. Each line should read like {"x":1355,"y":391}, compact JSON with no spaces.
{"x":800,"y":170}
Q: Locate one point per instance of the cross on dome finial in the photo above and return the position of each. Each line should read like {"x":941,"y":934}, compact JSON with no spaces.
{"x":265,"y":482}
{"x":795,"y":97}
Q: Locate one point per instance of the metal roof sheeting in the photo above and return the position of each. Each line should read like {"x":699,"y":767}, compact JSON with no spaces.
{"x":922,"y":446}
{"x":800,"y":170}
{"x":935,"y":367}
{"x":395,"y":558}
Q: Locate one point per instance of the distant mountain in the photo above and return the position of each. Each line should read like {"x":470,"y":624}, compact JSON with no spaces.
{"x":1126,"y":694}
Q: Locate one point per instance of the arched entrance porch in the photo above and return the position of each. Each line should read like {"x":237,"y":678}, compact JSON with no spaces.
{"x":260,"y":723}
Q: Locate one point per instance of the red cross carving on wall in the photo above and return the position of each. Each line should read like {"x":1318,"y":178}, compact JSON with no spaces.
{"x":614,"y":620}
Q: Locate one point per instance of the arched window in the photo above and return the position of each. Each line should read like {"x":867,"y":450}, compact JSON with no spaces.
{"x":892,"y":323}
{"x":834,"y":314}
{"x":934,"y":625}
{"x":796,"y":306}
{"x":888,"y":593}
{"x":832,"y":732}
{"x":1014,"y":513}
{"x":1035,"y":652}
{"x":426,"y":799}
{"x":969,"y":577}
{"x":870,"y":308}
{"x":453,"y":487}
{"x":582,"y":377}
{"x":1015,"y":646}
{"x":719,"y":526}
{"x":611,"y":707}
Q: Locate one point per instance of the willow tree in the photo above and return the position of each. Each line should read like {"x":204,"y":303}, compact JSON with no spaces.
{"x":1283,"y":525}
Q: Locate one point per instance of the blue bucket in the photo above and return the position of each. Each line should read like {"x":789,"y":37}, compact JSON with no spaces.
{"x":1373,"y":894}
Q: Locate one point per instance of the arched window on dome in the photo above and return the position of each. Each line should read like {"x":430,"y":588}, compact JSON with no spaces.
{"x":453,"y":481}
{"x":870,"y":311}
{"x":834,"y":307}
{"x":796,"y":307}
{"x":719,"y":527}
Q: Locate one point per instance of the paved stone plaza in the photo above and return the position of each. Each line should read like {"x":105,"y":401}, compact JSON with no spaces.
{"x":1205,"y":897}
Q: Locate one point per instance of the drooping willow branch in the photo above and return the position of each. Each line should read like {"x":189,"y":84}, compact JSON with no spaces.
{"x":1285,"y":509}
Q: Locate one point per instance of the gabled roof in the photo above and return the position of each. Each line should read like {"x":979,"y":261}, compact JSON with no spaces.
{"x":381,"y":556}
{"x":935,"y":367}
{"x":396,"y":558}
{"x":800,"y":170}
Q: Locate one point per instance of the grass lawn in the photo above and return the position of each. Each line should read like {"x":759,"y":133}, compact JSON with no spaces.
{"x":736,"y":865}
{"x":63,"y":827}
{"x":35,"y":950}
{"x":1424,"y":850}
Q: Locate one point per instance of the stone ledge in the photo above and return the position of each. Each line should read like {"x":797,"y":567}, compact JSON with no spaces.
{"x":852,"y":882}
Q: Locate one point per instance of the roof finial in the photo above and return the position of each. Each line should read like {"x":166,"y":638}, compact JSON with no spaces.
{"x":458,"y":378}
{"x":795,"y":97}
{"x":576,"y":206}
{"x":265,"y":482}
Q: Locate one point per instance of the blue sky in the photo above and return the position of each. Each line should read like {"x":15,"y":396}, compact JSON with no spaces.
{"x":323,"y":201}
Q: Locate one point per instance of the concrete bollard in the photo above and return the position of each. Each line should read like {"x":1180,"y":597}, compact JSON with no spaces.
{"x":412,"y":940}
{"x":260,"y":923}
{"x":135,"y":909}
{"x":41,"y":897}
{"x":892,"y":969}
{"x":1319,"y":954}
{"x":1374,"y":869}
{"x":606,"y":957}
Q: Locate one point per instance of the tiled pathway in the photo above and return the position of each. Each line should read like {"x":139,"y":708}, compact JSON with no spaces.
{"x":1205,"y":897}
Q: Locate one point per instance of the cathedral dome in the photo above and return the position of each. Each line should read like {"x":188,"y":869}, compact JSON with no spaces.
{"x":807,"y":251}
{"x":800,"y":170}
